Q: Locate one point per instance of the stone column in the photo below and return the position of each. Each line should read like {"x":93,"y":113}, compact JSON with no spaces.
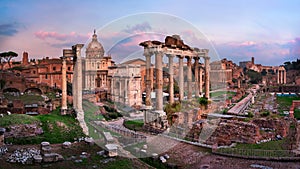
{"x":64,"y":107}
{"x":189,"y":76}
{"x":206,"y":76}
{"x":126,"y":91}
{"x":159,"y":82}
{"x":239,"y":83}
{"x":120,"y":90}
{"x":284,"y":77}
{"x":197,"y":76}
{"x":181,"y":79}
{"x":148,"y":78}
{"x":200,"y":80}
{"x":112,"y":86}
{"x":278,"y":76}
{"x":171,"y":79}
{"x":80,"y":113}
{"x":281,"y":77}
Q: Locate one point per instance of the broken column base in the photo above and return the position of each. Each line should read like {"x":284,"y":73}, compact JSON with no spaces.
{"x":156,"y":122}
{"x":63,"y":111}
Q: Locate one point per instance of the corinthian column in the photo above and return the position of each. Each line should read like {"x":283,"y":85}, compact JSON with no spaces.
{"x":197,"y":76}
{"x":148,"y":78}
{"x":189,"y":77}
{"x":181,"y":83}
{"x":281,"y":77}
{"x":171,"y":79}
{"x":278,"y":76}
{"x":159,"y":81}
{"x":207,"y":76}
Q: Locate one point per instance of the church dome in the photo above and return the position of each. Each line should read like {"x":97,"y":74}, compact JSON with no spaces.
{"x":94,"y":48}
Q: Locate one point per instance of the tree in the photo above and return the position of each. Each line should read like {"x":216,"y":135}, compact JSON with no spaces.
{"x":7,"y":56}
{"x":203,"y":101}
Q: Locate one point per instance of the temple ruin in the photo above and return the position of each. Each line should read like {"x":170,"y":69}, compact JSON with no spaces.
{"x":172,"y":47}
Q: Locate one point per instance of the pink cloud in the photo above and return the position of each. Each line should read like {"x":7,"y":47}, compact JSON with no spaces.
{"x":59,"y":36}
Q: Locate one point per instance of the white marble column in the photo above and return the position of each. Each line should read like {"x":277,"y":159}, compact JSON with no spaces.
{"x":79,"y":76}
{"x":189,"y":77}
{"x":171,"y":79}
{"x":207,"y":76}
{"x":159,"y":81}
{"x":181,"y":79}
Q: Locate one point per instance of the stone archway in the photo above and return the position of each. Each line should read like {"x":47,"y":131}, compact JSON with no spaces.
{"x":11,"y":90}
{"x":33,"y":90}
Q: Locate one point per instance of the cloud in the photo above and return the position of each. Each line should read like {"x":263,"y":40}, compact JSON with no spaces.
{"x":264,"y":53}
{"x":59,"y":36}
{"x":8,"y":29}
{"x":138,"y":28}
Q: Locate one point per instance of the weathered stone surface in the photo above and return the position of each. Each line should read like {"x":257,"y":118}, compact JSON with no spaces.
{"x":52,"y":157}
{"x":3,"y":150}
{"x":89,"y":141}
{"x":24,"y":156}
{"x":38,"y":158}
{"x":280,"y":126}
{"x":66,"y":144}
{"x":24,"y":130}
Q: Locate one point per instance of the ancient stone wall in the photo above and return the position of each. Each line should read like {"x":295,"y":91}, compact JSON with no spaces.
{"x":24,"y":130}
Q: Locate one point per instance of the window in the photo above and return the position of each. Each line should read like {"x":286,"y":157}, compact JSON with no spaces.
{"x":34,"y":72}
{"x":54,"y":68}
{"x":46,"y":76}
{"x":69,"y":68}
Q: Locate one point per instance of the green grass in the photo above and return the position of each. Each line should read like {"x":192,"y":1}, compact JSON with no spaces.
{"x":284,"y":102}
{"x":16,"y":119}
{"x":26,"y":99}
{"x":297,"y":113}
{"x":89,"y":111}
{"x":134,"y":124}
{"x":220,"y":93}
{"x":57,"y":128}
{"x":272,"y":145}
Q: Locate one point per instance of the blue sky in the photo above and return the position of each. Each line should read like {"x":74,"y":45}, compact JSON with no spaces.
{"x":236,"y":29}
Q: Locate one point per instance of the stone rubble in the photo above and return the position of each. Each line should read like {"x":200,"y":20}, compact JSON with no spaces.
{"x":3,"y":150}
{"x":24,"y":156}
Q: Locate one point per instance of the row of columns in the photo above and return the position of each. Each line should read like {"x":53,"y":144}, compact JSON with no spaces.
{"x":281,"y":77}
{"x":159,"y":78}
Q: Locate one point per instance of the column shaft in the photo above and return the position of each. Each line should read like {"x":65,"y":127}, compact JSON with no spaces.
{"x":181,"y":79}
{"x":64,"y":85}
{"x":207,"y":77}
{"x":159,"y":81}
{"x":197,"y":76}
{"x":171,"y":79}
{"x":189,"y":77}
{"x":148,"y":79}
{"x":284,"y":77}
{"x":200,"y":80}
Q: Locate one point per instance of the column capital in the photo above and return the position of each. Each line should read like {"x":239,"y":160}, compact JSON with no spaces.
{"x":170,"y":55}
{"x":147,"y":52}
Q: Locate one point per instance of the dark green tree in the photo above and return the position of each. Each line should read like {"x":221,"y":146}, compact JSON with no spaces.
{"x":7,"y":56}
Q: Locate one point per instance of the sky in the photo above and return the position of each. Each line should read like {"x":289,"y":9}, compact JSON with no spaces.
{"x":268,"y":30}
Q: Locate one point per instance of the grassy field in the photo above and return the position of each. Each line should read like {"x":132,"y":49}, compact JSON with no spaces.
{"x":57,"y":128}
{"x":284,"y":102}
{"x":272,"y":145}
{"x":16,"y":119}
{"x":297,"y":113}
{"x":134,"y":124}
{"x":220,"y":93}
